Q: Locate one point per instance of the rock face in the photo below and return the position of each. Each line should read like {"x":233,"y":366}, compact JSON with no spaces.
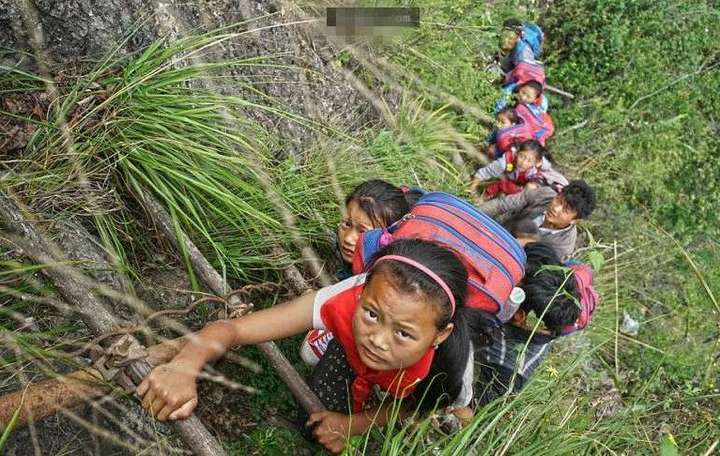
{"x":305,"y":78}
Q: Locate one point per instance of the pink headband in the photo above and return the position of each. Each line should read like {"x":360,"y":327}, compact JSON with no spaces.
{"x":427,"y":271}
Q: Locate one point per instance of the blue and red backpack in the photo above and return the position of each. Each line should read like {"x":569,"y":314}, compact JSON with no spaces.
{"x":538,"y":123}
{"x":506,"y":138}
{"x":494,"y":260}
{"x":532,"y":36}
{"x":522,"y":73}
{"x":525,"y":72}
{"x":534,"y":124}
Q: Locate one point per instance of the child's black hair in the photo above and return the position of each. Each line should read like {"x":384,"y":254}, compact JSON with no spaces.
{"x":513,"y":23}
{"x":542,"y":283}
{"x":540,"y":150}
{"x":444,"y":382}
{"x":412,"y":195}
{"x":383,"y":202}
{"x":522,"y":227}
{"x":510,"y":112}
{"x":580,"y":197}
{"x":535,"y":85}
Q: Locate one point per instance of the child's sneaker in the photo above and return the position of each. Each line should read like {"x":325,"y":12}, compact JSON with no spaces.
{"x":314,"y":346}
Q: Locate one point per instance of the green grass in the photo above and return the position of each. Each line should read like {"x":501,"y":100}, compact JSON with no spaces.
{"x":649,"y":147}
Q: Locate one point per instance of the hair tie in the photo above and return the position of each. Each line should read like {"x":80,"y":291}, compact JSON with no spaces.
{"x":427,"y":271}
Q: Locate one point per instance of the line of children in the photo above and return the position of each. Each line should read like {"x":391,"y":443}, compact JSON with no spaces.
{"x":542,"y":216}
{"x":402,"y":327}
{"x":396,"y":328}
{"x":528,"y":118}
{"x":487,"y":374}
{"x":522,"y":42}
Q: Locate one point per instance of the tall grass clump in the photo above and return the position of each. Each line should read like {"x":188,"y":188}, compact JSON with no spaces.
{"x":156,"y":122}
{"x":151,"y":124}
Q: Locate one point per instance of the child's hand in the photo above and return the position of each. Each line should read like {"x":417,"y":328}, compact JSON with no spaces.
{"x":479,"y":199}
{"x":464,"y":414}
{"x":473,"y":185}
{"x":169,"y":391}
{"x":332,"y":429}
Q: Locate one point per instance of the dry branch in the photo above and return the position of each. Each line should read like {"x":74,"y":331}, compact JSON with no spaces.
{"x":559,"y":92}
{"x":75,"y":289}
{"x":218,"y":285}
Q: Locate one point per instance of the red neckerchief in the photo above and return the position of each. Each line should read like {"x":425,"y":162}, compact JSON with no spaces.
{"x":337,"y":314}
{"x":522,"y":178}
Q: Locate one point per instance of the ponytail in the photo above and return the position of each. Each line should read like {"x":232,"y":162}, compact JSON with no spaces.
{"x":383,"y":202}
{"x":445,"y":381}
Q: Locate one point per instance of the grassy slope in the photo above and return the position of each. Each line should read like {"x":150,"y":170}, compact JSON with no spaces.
{"x":643,"y":71}
{"x":652,"y":163}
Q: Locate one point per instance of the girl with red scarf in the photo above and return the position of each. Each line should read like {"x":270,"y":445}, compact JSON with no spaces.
{"x":401,"y":328}
{"x":530,"y":164}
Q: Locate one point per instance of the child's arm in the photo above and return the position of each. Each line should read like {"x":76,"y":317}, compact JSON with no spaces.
{"x":494,"y":170}
{"x":170,"y":391}
{"x":506,"y":206}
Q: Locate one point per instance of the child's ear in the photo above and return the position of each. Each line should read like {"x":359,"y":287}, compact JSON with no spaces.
{"x":444,"y":334}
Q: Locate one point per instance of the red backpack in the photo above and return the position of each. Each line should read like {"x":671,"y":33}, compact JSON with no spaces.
{"x":534,"y":124}
{"x":539,"y":124}
{"x":588,"y":297}
{"x":494,"y":259}
{"x":505,"y":138}
{"x":525,"y":72}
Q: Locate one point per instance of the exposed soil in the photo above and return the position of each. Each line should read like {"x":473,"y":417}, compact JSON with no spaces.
{"x":15,"y":131}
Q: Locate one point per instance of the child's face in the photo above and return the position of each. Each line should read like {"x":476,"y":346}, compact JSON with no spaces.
{"x":393,"y":329}
{"x":503,"y":120}
{"x":527,"y":95}
{"x":355,"y":222}
{"x":508,"y":38}
{"x":559,"y":214}
{"x":527,"y":159}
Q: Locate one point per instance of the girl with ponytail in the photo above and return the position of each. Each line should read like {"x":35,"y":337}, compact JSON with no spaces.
{"x":401,"y":328}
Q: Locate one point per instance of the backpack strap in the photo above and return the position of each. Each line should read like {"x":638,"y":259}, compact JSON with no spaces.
{"x":367,"y":246}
